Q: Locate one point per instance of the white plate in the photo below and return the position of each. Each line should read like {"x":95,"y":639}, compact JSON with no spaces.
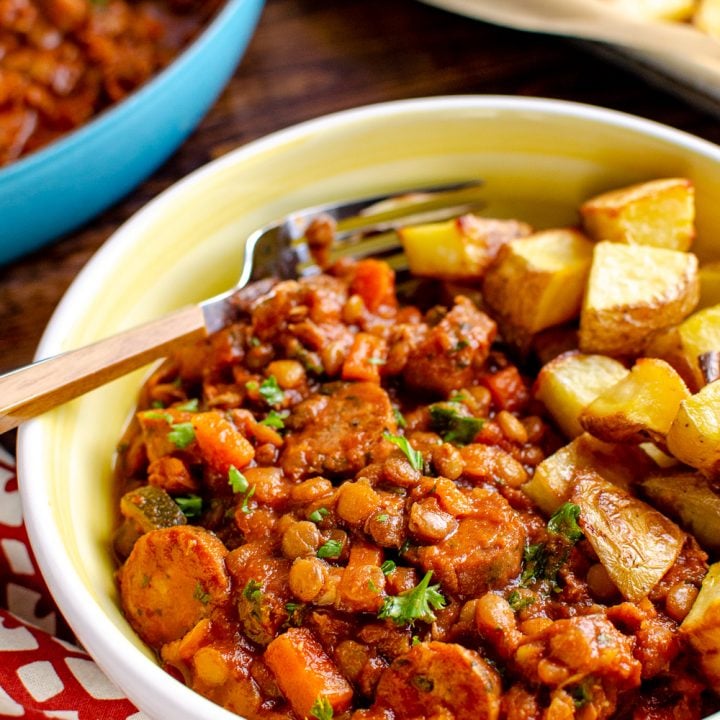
{"x":691,"y":71}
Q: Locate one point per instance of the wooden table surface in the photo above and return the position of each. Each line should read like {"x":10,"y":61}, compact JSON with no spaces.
{"x":312,"y":57}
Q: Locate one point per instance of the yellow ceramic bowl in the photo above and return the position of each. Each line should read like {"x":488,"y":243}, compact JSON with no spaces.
{"x":538,"y":158}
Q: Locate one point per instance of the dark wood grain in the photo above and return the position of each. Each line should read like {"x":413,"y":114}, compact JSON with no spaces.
{"x":311,"y":57}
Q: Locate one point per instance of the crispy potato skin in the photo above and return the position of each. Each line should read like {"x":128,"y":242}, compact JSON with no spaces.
{"x":694,"y":436}
{"x":634,"y":291}
{"x":639,"y":407}
{"x":537,"y":282}
{"x":172,"y":579}
{"x":690,"y":497}
{"x":462,"y":248}
{"x":569,"y":382}
{"x":660,"y":213}
{"x":635,"y":543}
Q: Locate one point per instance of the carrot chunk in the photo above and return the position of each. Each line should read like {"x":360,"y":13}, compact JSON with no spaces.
{"x":364,"y":359}
{"x":221,"y":445}
{"x":374,"y":282}
{"x":304,"y":673}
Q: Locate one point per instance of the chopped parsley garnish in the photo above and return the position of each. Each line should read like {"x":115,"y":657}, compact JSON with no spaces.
{"x":331,"y":549}
{"x":564,"y":522}
{"x":274,"y":419}
{"x":191,"y":505}
{"x":271,"y":391}
{"x":534,"y":562}
{"x":245,"y":507}
{"x":321,"y":709}
{"x":388,"y":566}
{"x":253,"y":591}
{"x":237,"y":481}
{"x":414,"y":456}
{"x":201,"y":595}
{"x":399,"y":418}
{"x":181,"y":434}
{"x":382,"y":518}
{"x":543,"y":561}
{"x":254,"y":342}
{"x":376,"y":361}
{"x":454,"y":426}
{"x":152,"y":415}
{"x":157,"y":404}
{"x":518,"y":601}
{"x":580,"y":695}
{"x":189,"y":405}
{"x":317,"y":515}
{"x":417,"y":603}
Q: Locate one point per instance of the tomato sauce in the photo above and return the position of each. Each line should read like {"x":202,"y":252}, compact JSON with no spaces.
{"x":322,"y":517}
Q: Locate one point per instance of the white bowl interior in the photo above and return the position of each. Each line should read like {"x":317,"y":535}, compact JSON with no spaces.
{"x":539,"y":160}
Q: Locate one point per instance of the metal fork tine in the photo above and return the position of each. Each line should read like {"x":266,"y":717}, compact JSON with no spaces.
{"x":417,"y":218}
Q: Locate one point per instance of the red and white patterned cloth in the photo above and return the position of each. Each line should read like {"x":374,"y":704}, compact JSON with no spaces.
{"x":42,"y":675}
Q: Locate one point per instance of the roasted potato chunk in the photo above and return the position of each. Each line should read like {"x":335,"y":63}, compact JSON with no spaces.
{"x":702,"y":625}
{"x":694,"y":436}
{"x":569,"y":382}
{"x":553,"y":482}
{"x":639,"y":407}
{"x":635,"y":543}
{"x":633,"y":291}
{"x":660,"y":213}
{"x":691,"y":499}
{"x":683,"y":344}
{"x":460,"y":248}
{"x":538,"y":281}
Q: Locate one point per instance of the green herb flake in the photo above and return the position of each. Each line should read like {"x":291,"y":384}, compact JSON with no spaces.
{"x":191,"y":505}
{"x":237,"y":481}
{"x":317,"y":515}
{"x":252,"y":385}
{"x":534,"y":561}
{"x":519,"y":602}
{"x":454,"y":427}
{"x":188,"y":406}
{"x":376,"y":361}
{"x":414,"y":456}
{"x":153,"y":415}
{"x":157,"y":404}
{"x":415,"y":640}
{"x":415,"y":604}
{"x":181,"y":434}
{"x":372,"y":586}
{"x":399,"y":418}
{"x":580,"y":695}
{"x":245,"y":507}
{"x":382,"y":518}
{"x":253,"y":592}
{"x":330,"y":549}
{"x":274,"y":419}
{"x":321,"y":709}
{"x":254,"y":342}
{"x":388,"y":567}
{"x":200,"y":594}
{"x":270,"y":390}
{"x":564,"y":522}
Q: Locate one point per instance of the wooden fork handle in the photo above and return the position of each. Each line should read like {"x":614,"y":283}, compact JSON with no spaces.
{"x":42,"y":386}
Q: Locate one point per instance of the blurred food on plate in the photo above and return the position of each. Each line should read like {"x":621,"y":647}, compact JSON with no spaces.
{"x":704,"y":14}
{"x":64,"y":61}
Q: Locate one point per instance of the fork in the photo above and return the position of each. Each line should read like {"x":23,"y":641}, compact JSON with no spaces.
{"x":365,"y":227}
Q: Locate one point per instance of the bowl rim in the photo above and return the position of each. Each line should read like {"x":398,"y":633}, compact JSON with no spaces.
{"x":66,"y":144}
{"x":101,"y":637}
